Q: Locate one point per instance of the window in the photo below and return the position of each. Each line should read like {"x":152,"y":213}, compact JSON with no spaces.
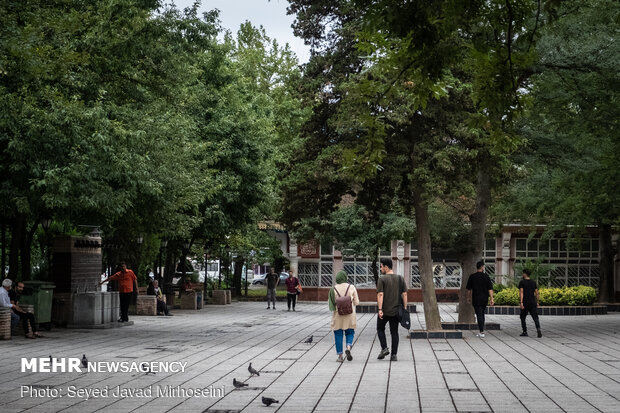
{"x":308,"y":273}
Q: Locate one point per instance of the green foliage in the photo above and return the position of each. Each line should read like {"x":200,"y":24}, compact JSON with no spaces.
{"x":541,"y":270}
{"x":566,"y":296}
{"x":507,"y":296}
{"x":497,"y":288}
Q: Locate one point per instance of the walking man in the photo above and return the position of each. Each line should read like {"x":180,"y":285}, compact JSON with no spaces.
{"x":391,"y":289}
{"x":479,"y":288}
{"x":272,"y":280}
{"x":127,"y":284}
{"x":528,"y":294}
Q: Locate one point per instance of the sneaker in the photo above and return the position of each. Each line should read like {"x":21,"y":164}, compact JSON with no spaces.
{"x":524,"y":334}
{"x":268,"y":308}
{"x":539,"y":334}
{"x":481,"y":335}
{"x":384,"y":352}
{"x":393,"y":357}
{"x":340,"y":359}
{"x":293,"y":309}
{"x":348,"y":353}
{"x":274,"y":307}
{"x":288,"y":309}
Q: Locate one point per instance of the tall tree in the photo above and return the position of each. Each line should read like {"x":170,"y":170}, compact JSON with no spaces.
{"x":574,"y":149}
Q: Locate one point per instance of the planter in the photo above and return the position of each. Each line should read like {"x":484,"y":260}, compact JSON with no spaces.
{"x":550,"y":310}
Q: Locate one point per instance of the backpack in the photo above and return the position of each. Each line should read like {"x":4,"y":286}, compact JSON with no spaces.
{"x":343,"y":303}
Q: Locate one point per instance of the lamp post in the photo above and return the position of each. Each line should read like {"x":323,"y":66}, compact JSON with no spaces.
{"x":45,"y":223}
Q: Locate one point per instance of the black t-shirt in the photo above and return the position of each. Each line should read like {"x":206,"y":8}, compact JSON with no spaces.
{"x":13,"y":296}
{"x":480,"y":284}
{"x":529,"y":297}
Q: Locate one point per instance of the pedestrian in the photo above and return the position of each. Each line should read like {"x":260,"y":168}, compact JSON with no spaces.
{"x":529,"y":299}
{"x":479,"y":289}
{"x":127,"y":286}
{"x":272,"y":280}
{"x":391,"y":293}
{"x":10,"y":298}
{"x":343,"y":324}
{"x":292,"y":284}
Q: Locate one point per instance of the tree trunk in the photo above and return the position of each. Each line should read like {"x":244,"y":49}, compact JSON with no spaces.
{"x":16,"y":240}
{"x":431,"y":310}
{"x":237,"y":275}
{"x":473,"y":251}
{"x":375,"y":271}
{"x":26,"y":251}
{"x":606,"y":288}
{"x":3,"y":252}
{"x":169,"y":269}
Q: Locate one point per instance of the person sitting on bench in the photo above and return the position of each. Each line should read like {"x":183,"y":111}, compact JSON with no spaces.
{"x":156,"y":291}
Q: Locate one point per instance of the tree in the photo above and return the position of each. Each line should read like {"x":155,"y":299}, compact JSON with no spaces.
{"x":574,"y":151}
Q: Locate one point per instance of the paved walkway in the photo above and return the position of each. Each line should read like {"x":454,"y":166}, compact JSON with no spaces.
{"x":575,"y":367}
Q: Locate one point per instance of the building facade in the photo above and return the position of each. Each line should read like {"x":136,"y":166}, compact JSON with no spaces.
{"x":559,"y":262}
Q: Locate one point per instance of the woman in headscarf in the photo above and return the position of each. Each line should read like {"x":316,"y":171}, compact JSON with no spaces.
{"x":343,"y":323}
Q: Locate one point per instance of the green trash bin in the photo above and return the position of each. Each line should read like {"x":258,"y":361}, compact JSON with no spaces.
{"x":39,"y":294}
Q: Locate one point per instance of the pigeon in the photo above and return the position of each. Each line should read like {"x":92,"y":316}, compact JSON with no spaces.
{"x":84,"y":361}
{"x":238,"y":384}
{"x":308,"y":340}
{"x":252,"y":370}
{"x":267,"y":401}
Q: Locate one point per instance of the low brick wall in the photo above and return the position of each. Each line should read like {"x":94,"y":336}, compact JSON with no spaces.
{"x":5,"y":323}
{"x":188,"y":300}
{"x":559,"y":310}
{"x":146,"y":305}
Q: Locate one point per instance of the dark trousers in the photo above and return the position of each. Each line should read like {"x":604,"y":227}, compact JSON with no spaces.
{"x":162,"y":307}
{"x":479,"y":309}
{"x":290,"y":298}
{"x":125,"y":300}
{"x":27,"y":318}
{"x":393,"y":320}
{"x":533,"y":310}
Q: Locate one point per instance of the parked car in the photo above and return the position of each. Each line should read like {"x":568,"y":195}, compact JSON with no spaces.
{"x":259,"y":279}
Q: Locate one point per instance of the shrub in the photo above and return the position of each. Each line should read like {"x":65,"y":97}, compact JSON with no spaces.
{"x":507,"y":296}
{"x":570,"y":296}
{"x":498,"y":287}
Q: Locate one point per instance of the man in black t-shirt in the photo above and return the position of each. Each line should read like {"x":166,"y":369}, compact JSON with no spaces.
{"x":479,"y":288}
{"x":528,"y":294}
{"x":391,"y":292}
{"x":272,"y":279}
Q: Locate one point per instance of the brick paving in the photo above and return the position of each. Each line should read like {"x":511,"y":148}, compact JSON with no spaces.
{"x":575,"y":367}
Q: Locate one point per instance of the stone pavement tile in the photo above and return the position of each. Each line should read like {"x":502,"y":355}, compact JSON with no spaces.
{"x":452,"y":366}
{"x":469,"y":401}
{"x":459,"y":381}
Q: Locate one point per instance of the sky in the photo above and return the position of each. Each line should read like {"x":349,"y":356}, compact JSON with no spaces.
{"x":270,"y":14}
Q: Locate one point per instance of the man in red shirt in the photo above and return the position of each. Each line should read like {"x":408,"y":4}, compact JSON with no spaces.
{"x":127,"y":284}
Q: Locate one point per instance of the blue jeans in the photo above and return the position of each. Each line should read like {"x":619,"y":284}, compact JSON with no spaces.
{"x":349,"y":332}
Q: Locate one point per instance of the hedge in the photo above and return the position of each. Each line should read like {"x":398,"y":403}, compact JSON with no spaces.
{"x":569,"y":296}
